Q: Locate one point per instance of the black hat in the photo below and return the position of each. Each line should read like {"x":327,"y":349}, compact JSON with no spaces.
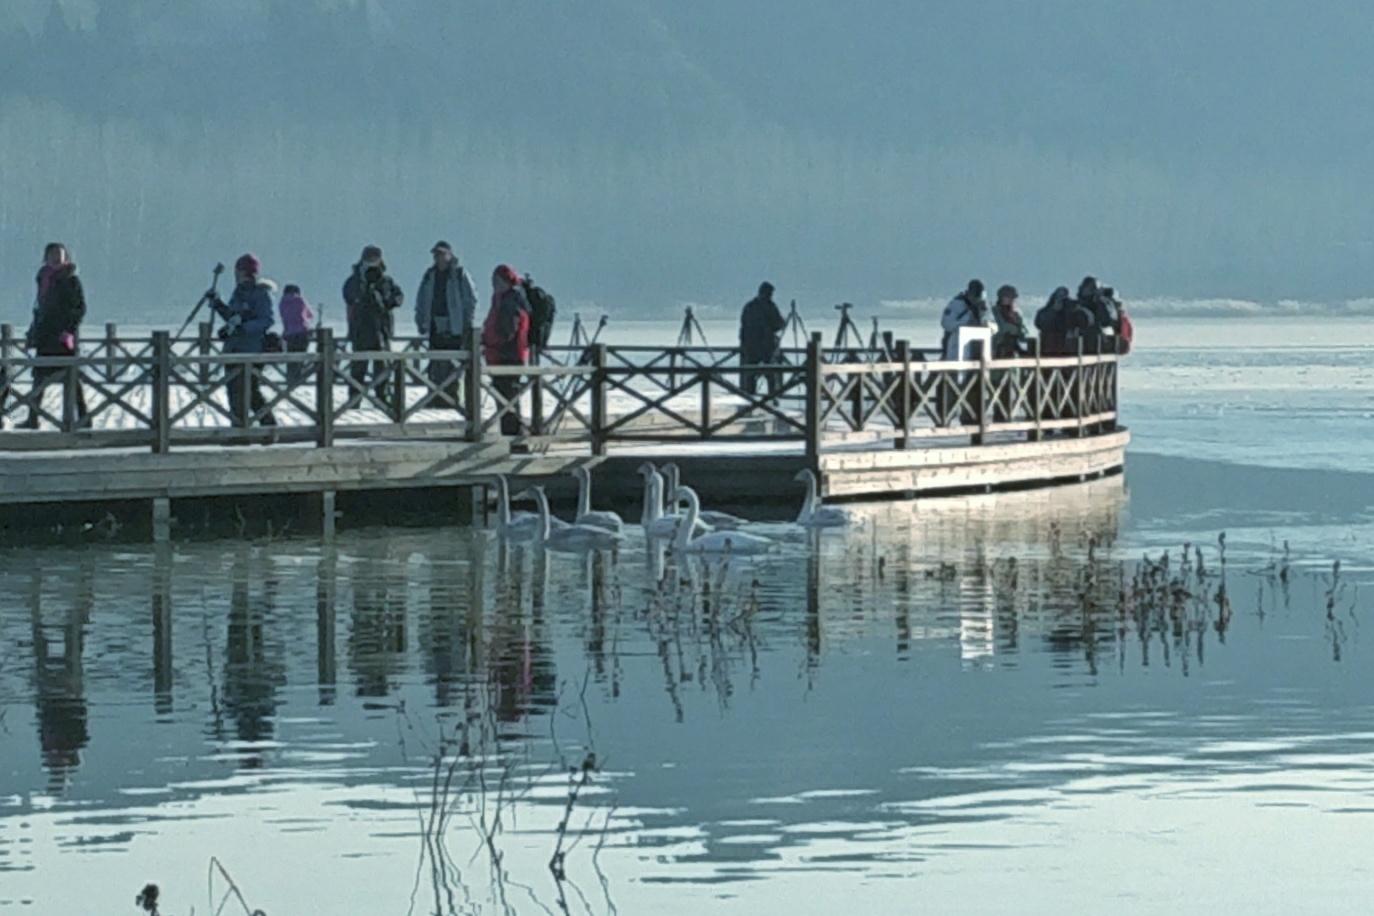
{"x":975,"y":287}
{"x":371,"y":251}
{"x":441,"y":246}
{"x":765,"y":288}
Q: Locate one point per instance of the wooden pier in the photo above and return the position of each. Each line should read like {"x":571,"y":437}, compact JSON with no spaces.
{"x":890,"y":422}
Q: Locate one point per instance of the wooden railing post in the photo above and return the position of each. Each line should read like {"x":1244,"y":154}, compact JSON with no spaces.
{"x":705,"y":404}
{"x":7,"y":378}
{"x":536,"y":401}
{"x":599,"y":391}
{"x":984,"y":387}
{"x":71,"y":378}
{"x":162,"y":392}
{"x":1080,"y":408}
{"x":111,"y":368}
{"x":324,"y":387}
{"x":1037,"y":394}
{"x":398,"y":388}
{"x":815,"y":386}
{"x":205,"y":345}
{"x":903,"y":402}
{"x":472,"y":389}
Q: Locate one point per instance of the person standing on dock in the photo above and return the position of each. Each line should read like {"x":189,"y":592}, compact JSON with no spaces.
{"x":297,"y":321}
{"x":506,"y":342}
{"x":247,"y":316}
{"x":969,"y":309}
{"x":1009,"y":334}
{"x":57,"y":315}
{"x":371,"y":297}
{"x":444,"y":310}
{"x":760,"y":331}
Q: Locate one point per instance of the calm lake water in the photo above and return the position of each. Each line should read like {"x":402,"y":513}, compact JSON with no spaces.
{"x":980,"y":705}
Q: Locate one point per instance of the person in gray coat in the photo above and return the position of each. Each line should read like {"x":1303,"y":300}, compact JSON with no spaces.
{"x":444,"y":310}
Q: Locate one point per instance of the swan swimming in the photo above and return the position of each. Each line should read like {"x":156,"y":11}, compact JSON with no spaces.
{"x":569,"y":537}
{"x":610,"y":521}
{"x":813,"y":514}
{"x":656,"y":523}
{"x":722,"y":521}
{"x":726,"y":542}
{"x":517,"y":526}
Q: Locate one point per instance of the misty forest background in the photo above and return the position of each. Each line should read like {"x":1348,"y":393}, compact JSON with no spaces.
{"x":638,"y":154}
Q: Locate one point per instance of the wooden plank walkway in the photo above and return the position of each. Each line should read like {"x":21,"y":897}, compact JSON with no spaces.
{"x":871,"y":425}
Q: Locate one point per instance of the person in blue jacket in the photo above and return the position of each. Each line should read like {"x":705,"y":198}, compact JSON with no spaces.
{"x":247,"y":317}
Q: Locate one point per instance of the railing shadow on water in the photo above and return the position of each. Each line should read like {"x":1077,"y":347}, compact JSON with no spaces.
{"x":158,"y":392}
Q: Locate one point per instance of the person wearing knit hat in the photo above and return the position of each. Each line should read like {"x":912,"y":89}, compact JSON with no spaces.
{"x":59,"y":309}
{"x":506,"y":342}
{"x":444,"y":310}
{"x":247,"y":318}
{"x":370,"y":298}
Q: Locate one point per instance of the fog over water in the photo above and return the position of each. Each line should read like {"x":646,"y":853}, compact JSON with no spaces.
{"x":640,"y":153}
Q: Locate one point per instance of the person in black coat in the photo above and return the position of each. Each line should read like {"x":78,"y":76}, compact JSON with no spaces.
{"x":760,"y":329}
{"x":59,"y":309}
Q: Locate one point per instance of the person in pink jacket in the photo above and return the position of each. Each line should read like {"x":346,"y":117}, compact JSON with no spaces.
{"x":297,"y":321}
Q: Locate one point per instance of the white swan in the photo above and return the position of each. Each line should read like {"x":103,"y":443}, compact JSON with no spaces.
{"x":813,"y":514}
{"x":723,"y":521}
{"x":517,"y":526}
{"x":569,"y":537}
{"x":726,"y":542}
{"x":656,"y":523}
{"x":610,"y":521}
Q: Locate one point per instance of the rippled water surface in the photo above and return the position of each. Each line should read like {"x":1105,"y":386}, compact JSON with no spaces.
{"x":954,"y":706}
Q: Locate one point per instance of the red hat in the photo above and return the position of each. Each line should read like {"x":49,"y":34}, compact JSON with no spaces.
{"x":507,"y":273}
{"x":248,"y":264}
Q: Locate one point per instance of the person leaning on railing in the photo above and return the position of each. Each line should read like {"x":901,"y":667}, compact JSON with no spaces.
{"x":57,"y":316}
{"x":506,"y":342}
{"x":247,"y":317}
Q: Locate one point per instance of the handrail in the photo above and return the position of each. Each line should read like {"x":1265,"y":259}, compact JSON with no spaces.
{"x":166,"y":393}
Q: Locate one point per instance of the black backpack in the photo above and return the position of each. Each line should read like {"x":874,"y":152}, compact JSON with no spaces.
{"x":542,"y":312}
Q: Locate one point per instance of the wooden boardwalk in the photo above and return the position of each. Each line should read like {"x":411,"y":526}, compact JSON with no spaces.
{"x":896,"y":422}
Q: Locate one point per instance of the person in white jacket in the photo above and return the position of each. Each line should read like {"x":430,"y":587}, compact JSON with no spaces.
{"x":969,"y":309}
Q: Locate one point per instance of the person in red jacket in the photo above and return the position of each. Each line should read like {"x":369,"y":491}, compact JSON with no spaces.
{"x":506,"y":339}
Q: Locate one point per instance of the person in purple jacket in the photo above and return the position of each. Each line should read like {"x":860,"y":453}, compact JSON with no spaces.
{"x":297,"y":321}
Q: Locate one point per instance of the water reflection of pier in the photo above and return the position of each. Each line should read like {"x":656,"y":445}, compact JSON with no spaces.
{"x":479,"y":622}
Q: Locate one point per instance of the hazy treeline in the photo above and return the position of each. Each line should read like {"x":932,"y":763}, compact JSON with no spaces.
{"x":638,"y":155}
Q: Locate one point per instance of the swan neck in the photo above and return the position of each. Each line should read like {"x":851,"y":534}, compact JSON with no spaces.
{"x":688,"y":524}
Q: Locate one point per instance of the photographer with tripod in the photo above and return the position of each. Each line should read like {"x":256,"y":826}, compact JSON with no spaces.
{"x":247,"y":316}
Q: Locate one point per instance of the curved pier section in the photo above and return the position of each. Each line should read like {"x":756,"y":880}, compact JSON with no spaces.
{"x":885,"y":423}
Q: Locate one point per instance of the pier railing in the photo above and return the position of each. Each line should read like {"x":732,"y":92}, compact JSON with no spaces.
{"x":161,"y":393}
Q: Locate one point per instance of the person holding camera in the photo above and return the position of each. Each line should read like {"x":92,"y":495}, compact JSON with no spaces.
{"x":247,"y":317}
{"x":371,"y":297}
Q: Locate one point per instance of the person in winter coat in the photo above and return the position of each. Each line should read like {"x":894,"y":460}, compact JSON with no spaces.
{"x":371,"y":296}
{"x":1058,"y":321}
{"x":760,"y":329}
{"x":1009,"y":339}
{"x":58,"y":311}
{"x":297,"y":321}
{"x":1125,"y":328}
{"x":444,"y":310}
{"x":506,"y":340}
{"x":969,"y":309}
{"x":1009,"y":334}
{"x":247,"y":317}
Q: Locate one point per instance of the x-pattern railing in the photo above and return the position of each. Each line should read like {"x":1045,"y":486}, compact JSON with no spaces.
{"x":177,"y":391}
